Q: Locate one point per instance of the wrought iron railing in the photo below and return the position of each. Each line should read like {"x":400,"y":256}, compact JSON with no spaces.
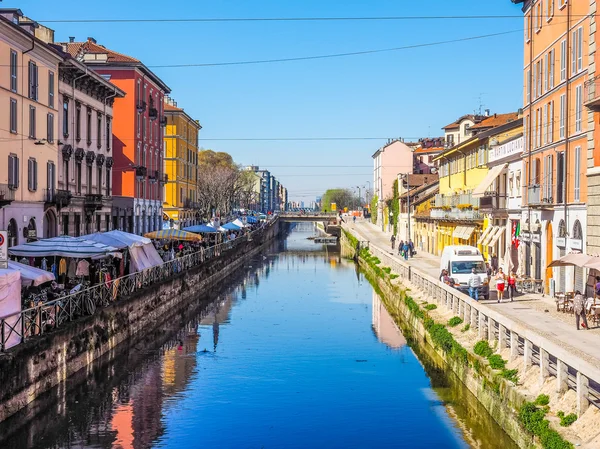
{"x":47,"y":316}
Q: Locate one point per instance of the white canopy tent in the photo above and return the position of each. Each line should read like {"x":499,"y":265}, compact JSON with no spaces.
{"x":64,"y":246}
{"x":10,"y":303}
{"x":31,"y":275}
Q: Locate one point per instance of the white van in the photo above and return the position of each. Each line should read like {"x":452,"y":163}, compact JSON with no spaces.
{"x":459,"y":260}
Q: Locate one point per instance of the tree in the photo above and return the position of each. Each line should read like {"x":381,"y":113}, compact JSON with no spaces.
{"x":374,"y":205}
{"x":341,"y":197}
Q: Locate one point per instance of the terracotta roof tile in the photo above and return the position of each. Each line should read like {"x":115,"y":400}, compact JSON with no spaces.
{"x":169,"y":107}
{"x":429,"y":150}
{"x":90,"y":47}
{"x":496,"y":120}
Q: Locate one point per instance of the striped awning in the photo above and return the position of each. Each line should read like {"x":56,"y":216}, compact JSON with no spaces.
{"x":467,"y":232}
{"x":63,"y":246}
{"x":490,"y":236}
{"x":483,"y":236}
{"x":173,"y":234}
{"x":496,"y":236}
{"x":458,"y":231}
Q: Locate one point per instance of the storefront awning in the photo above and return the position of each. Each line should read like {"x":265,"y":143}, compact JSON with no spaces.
{"x":488,"y":180}
{"x":483,"y":236}
{"x":490,"y":236}
{"x":468,"y":231}
{"x":501,"y":230}
{"x":458,"y":232}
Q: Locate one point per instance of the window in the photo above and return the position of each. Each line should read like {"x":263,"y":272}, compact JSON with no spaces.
{"x":107,"y":181}
{"x":151,"y":128}
{"x":563,"y":60}
{"x":66,"y":173}
{"x":13,"y":171}
{"x":99,"y":180}
{"x":32,"y":122}
{"x":549,"y":10}
{"x":534,"y":133}
{"x":99,"y":129}
{"x":546,"y":73}
{"x":579,"y":49}
{"x":13,"y":115}
{"x":89,"y":179}
{"x":562,"y":3}
{"x":139,"y":123}
{"x":539,"y":130}
{"x":65,"y":129}
{"x":526,"y":132}
{"x":78,"y":121}
{"x":545,"y":125}
{"x":50,"y":176}
{"x":144,"y":128}
{"x":13,"y":70}
{"x":32,"y":174}
{"x":139,"y":92}
{"x":551,"y":69}
{"x":561,"y":120}
{"x":578,"y":107}
{"x":527,"y":28}
{"x":535,"y":81}
{"x":577,"y":186}
{"x":78,"y":173}
{"x":538,"y":16}
{"x":108,"y":133}
{"x":551,"y":122}
{"x":51,"y":89}
{"x":560,"y":176}
{"x":50,"y":133}
{"x":548,"y":176}
{"x":89,"y":126}
{"x":33,"y":80}
{"x":540,"y":69}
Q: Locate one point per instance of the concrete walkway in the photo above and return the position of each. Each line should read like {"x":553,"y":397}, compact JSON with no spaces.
{"x":534,"y":311}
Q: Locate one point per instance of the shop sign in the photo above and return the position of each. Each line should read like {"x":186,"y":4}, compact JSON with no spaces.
{"x":576,"y":244}
{"x":561,"y":241}
{"x":512,"y":148}
{"x":536,"y":237}
{"x":3,"y":249}
{"x":525,"y":236}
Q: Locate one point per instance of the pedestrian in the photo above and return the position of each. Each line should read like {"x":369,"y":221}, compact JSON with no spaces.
{"x":512,"y":284}
{"x":488,"y":269}
{"x":597,"y":287}
{"x":411,"y":248}
{"x":405,"y":250}
{"x":474,"y":283}
{"x":500,"y":283}
{"x":579,"y":309}
{"x":446,"y":279}
{"x":354,"y":219}
{"x":393,"y":240}
{"x":400,"y":248}
{"x":495,"y":263}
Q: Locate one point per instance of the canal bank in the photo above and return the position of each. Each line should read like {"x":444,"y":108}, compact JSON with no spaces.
{"x":35,"y":366}
{"x":296,"y":351}
{"x":495,"y":389}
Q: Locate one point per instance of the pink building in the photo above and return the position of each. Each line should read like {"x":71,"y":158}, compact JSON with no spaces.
{"x":393,"y":158}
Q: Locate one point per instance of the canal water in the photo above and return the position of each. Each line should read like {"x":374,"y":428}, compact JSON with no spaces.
{"x":297,"y":352}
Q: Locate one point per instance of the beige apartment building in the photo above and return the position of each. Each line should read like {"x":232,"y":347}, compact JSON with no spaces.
{"x":29,"y":101}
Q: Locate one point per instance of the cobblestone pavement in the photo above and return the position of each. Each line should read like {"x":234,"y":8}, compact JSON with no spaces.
{"x":534,"y":311}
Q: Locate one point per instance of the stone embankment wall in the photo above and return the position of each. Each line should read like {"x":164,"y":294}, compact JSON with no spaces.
{"x":39,"y":364}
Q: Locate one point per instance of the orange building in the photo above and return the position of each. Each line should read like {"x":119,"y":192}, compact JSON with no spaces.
{"x":555,"y":127}
{"x":137,"y":136}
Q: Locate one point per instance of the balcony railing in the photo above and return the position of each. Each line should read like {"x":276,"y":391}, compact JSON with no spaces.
{"x":455,"y":200}
{"x":163,"y":121}
{"x":7,"y":195}
{"x":92,"y":201}
{"x":153,"y":113}
{"x":141,"y":172}
{"x":189,"y":204}
{"x":456,"y":207}
{"x":540,"y":195}
{"x":492,"y":202}
{"x":141,"y":106}
{"x":592,"y":94}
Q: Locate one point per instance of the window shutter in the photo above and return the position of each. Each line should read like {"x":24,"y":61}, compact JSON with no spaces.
{"x":16,"y":177}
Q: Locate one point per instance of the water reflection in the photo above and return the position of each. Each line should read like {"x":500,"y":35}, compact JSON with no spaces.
{"x":297,"y":351}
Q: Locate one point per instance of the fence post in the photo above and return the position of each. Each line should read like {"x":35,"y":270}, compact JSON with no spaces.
{"x":474,"y":313}
{"x":561,"y":376}
{"x":527,"y":352}
{"x":514,"y":345}
{"x":501,"y":337}
{"x":544,"y":365}
{"x":491,"y":331}
{"x":582,"y":393}
{"x":2,"y":342}
{"x":481,"y":325}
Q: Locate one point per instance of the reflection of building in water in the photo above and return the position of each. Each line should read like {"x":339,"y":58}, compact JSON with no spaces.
{"x":179,"y":364}
{"x":384,"y":327}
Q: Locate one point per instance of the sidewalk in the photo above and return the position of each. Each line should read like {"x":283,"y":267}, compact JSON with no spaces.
{"x":534,"y":311}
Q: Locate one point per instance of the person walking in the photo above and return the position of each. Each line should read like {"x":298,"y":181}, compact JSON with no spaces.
{"x":411,"y":248}
{"x":474,"y":283}
{"x":512,"y":284}
{"x":500,"y":283}
{"x":495,"y":263}
{"x":579,"y":309}
{"x":401,"y":248}
{"x":393,"y":240}
{"x":405,"y":250}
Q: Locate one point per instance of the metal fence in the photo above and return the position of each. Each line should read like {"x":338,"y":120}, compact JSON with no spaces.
{"x":47,"y":316}
{"x":536,"y":352}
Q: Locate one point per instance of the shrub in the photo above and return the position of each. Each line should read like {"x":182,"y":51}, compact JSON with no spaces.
{"x":466,"y":327}
{"x":430,"y":307}
{"x":388,"y":270}
{"x":533,"y":419}
{"x":566,"y":420}
{"x":542,"y":399}
{"x":496,"y":361}
{"x":454,"y":321}
{"x":375,"y":261}
{"x":394,"y":276}
{"x":483,"y":349}
{"x":511,"y":375}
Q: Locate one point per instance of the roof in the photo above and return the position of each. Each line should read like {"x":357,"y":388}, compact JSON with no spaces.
{"x":419,"y":179}
{"x":429,"y":150}
{"x":455,"y":124}
{"x":170,"y":107}
{"x":496,"y":120}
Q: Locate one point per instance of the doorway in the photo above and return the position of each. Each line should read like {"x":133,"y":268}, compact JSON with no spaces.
{"x":549,"y":256}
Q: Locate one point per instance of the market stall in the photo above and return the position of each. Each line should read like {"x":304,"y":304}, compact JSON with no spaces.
{"x":10,"y":305}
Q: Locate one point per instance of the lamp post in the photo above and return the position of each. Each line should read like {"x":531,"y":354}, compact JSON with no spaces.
{"x":359,"y":199}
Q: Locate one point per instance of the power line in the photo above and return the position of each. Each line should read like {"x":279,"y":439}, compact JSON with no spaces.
{"x":300,"y":19}
{"x":338,"y":55}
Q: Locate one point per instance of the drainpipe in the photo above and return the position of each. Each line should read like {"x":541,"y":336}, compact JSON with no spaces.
{"x":530,"y":132}
{"x":567,"y":121}
{"x":21,"y":178}
{"x":73,"y":133}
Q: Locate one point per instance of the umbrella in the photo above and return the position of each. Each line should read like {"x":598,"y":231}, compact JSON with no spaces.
{"x":118,"y":239}
{"x":63,"y":246}
{"x":173,"y":234}
{"x":594,"y":263}
{"x":238,"y":223}
{"x":200,"y":229}
{"x":572,"y":260}
{"x":231,"y":227}
{"x":251,"y":220}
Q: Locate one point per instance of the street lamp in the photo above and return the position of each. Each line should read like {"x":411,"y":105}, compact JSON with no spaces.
{"x":359,"y":199}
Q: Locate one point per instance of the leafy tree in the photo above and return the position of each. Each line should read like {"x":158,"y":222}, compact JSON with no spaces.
{"x":374,"y":204}
{"x":341,"y":197}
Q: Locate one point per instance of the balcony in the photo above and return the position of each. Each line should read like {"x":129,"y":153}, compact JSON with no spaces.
{"x":163,"y":121}
{"x":154,"y":176}
{"x":141,"y":106}
{"x":141,"y":173}
{"x":62,"y":198}
{"x":153,"y":113}
{"x":164,"y":179}
{"x":92,"y":201}
{"x":591,"y":96}
{"x":540,"y":196}
{"x":189,"y":204}
{"x":492,"y":203}
{"x":456,"y":207}
{"x":7,"y":195}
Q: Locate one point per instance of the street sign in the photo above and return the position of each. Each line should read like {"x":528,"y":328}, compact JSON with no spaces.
{"x":3,"y":249}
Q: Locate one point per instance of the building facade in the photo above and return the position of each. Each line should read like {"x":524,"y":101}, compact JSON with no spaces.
{"x":556,"y":63}
{"x":84,"y":195}
{"x":30,"y":130}
{"x":137,"y":135}
{"x":180,"y":206}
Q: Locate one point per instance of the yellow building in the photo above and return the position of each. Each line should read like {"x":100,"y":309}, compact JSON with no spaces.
{"x":463,"y":168}
{"x":181,"y":167}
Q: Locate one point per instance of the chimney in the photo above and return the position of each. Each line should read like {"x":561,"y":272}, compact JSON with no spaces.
{"x":71,"y":39}
{"x":487,"y":113}
{"x":92,"y":40}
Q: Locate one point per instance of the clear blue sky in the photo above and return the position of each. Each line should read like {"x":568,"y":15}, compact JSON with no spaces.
{"x":408,"y":93}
